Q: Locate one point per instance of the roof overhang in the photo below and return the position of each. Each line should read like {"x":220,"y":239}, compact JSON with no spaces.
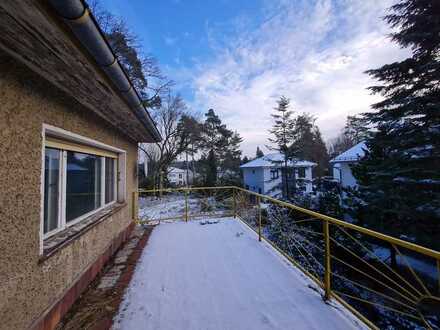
{"x":34,"y":33}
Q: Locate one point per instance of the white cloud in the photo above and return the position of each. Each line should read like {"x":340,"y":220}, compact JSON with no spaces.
{"x":170,"y":41}
{"x":314,"y":52}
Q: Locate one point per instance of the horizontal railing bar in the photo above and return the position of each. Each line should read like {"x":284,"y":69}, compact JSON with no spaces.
{"x":369,"y":232}
{"x":231,"y":192}
{"x":390,"y":239}
{"x":183,"y":189}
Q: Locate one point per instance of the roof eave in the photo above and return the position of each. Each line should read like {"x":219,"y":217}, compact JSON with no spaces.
{"x":80,"y":20}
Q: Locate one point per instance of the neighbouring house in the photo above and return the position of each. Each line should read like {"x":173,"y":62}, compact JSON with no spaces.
{"x":70,"y":123}
{"x":179,"y":177}
{"x":343,"y":162}
{"x":263,"y":175}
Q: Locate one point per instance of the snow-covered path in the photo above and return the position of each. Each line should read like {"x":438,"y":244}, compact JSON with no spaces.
{"x":218,"y":276}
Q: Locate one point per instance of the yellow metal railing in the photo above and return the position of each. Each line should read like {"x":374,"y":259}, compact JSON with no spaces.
{"x":383,"y":280}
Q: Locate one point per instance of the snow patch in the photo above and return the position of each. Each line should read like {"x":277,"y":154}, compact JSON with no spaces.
{"x":220,"y":277}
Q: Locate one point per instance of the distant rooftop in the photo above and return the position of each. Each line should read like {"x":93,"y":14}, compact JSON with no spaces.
{"x":274,"y":160}
{"x":353,"y":154}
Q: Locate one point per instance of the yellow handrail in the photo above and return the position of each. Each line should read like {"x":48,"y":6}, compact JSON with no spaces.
{"x":255,"y":205}
{"x":384,"y":237}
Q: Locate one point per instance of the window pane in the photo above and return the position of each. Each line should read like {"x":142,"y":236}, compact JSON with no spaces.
{"x":83,"y":184}
{"x":51,"y":188}
{"x":109,"y":180}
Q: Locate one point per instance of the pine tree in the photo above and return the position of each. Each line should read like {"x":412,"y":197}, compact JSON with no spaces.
{"x":399,"y":177}
{"x":356,"y":130}
{"x":220,"y":146}
{"x":284,"y":135}
{"x":259,"y":153}
{"x":211,"y":173}
{"x":308,"y":144}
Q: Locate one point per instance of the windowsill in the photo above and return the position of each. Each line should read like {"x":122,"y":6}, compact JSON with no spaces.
{"x":59,"y":240}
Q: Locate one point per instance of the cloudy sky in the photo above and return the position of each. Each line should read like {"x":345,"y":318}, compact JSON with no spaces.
{"x":239,"y":56}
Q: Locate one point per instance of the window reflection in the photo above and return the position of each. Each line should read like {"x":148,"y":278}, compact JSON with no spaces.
{"x":83,"y":186}
{"x":51,"y":189}
{"x":109,"y":179}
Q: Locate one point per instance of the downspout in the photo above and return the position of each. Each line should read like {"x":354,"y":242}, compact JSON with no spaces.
{"x":80,"y":20}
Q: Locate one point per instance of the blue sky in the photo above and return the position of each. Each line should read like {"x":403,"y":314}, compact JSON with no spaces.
{"x":239,"y":56}
{"x":180,"y":34}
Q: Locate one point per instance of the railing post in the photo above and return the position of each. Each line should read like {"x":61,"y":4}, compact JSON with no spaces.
{"x":186,"y":205}
{"x":234,"y":194}
{"x":259,"y":217}
{"x":327,"y":272}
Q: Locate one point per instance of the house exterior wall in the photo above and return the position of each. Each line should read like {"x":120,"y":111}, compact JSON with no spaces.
{"x":262,"y":179}
{"x":342,"y":172}
{"x":177,"y":177}
{"x":307,"y":179}
{"x":271,"y":186}
{"x":254,"y":179}
{"x":29,"y":285}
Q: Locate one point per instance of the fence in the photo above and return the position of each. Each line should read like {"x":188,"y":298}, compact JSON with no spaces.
{"x":385,"y":281}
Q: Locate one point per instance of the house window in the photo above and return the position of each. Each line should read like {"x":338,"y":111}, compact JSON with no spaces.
{"x":274,"y":174}
{"x":110,"y":179}
{"x":83,"y":184}
{"x":301,"y":172}
{"x":78,"y":180}
{"x":51,"y":189}
{"x":180,"y":176}
{"x":253,"y":171}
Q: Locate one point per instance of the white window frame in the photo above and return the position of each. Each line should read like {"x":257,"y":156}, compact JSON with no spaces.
{"x":119,"y":173}
{"x":274,"y":174}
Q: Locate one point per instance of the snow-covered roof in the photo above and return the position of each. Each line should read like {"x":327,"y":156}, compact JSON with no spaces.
{"x":175,"y":170}
{"x":353,"y":154}
{"x":274,"y":160}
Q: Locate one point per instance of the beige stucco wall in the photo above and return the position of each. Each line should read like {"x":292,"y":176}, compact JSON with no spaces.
{"x":27,"y":286}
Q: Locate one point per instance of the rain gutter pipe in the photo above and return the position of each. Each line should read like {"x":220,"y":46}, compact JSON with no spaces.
{"x":79,"y":19}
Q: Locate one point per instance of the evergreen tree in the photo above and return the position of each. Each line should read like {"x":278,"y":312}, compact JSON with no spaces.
{"x":220,"y":146}
{"x":259,"y":153}
{"x":245,"y":160}
{"x":399,"y":177}
{"x":284,"y":135}
{"x":211,"y":173}
{"x":355,"y":131}
{"x":308,"y":144}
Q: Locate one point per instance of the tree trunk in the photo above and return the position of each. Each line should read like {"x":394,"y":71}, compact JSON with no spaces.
{"x":160,"y":182}
{"x":286,"y":183}
{"x":187,"y":169}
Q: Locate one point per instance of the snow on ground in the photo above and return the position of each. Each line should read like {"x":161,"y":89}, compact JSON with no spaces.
{"x":167,"y":207}
{"x":218,"y":276}
{"x":173,"y":206}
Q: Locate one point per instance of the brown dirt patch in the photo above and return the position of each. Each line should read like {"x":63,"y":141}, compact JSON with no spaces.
{"x":95,"y":308}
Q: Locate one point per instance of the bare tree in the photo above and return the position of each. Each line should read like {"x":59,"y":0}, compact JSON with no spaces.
{"x":171,"y":119}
